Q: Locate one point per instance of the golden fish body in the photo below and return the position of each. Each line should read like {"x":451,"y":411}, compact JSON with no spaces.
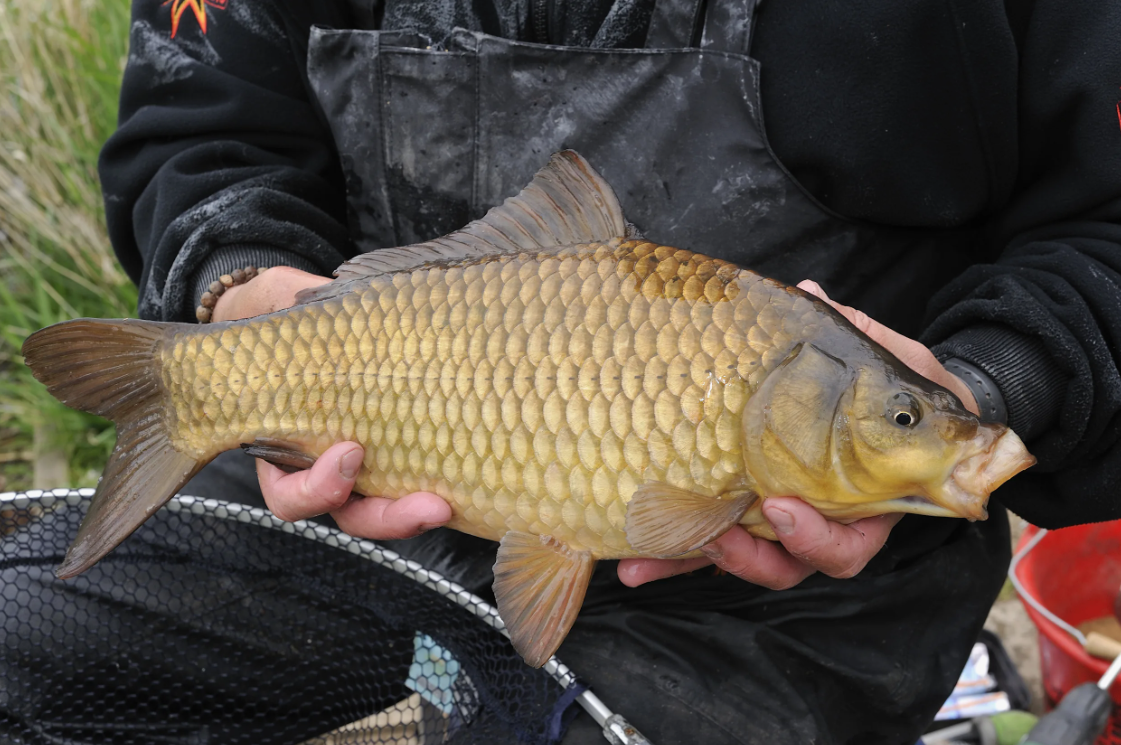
{"x":573,"y":392}
{"x":534,"y":392}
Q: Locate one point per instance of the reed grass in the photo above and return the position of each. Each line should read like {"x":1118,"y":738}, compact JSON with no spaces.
{"x":60,"y":67}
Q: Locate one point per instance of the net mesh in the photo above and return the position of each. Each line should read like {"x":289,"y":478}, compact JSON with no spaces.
{"x":218,"y":623}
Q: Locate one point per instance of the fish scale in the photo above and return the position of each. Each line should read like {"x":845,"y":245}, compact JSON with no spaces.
{"x":626,"y":366}
{"x":572,"y":391}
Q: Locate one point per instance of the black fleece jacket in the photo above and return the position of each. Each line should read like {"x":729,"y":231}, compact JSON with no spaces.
{"x":1002,"y":117}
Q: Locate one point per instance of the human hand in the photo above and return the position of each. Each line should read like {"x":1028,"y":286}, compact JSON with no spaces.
{"x":268,"y":292}
{"x":325,"y":488}
{"x":911,"y":353}
{"x":807,"y":542}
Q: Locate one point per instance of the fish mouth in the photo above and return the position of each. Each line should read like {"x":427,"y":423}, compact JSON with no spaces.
{"x":917,"y":505}
{"x":1002,"y":455}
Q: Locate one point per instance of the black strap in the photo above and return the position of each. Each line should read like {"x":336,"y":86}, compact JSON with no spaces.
{"x":728,"y":25}
{"x":720,"y":25}
{"x":676,"y":24}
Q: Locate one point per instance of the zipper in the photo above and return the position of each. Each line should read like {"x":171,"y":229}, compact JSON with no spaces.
{"x":539,"y":15}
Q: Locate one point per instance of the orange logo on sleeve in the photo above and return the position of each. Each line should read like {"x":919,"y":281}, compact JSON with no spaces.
{"x":198,"y":7}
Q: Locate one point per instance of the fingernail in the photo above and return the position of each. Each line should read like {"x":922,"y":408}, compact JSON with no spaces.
{"x":425,"y":527}
{"x":781,"y":520}
{"x":350,"y":463}
{"x":713,"y":551}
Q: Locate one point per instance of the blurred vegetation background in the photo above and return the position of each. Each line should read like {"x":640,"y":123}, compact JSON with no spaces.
{"x":60,"y":68}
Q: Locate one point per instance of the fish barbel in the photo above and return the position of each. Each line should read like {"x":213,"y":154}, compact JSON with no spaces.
{"x":572,"y":390}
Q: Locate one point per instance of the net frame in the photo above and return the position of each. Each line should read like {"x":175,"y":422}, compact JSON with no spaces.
{"x":615,"y":728}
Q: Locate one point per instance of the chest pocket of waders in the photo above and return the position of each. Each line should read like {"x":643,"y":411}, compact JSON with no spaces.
{"x":431,"y":138}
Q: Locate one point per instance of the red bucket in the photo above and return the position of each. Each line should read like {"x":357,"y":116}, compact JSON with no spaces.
{"x":1075,"y":573}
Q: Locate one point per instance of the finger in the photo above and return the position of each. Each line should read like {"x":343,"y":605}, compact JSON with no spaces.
{"x":388,"y":519}
{"x":857,"y":318}
{"x":324,"y":487}
{"x":910,"y":352}
{"x":837,"y":550}
{"x":813,"y":288}
{"x":756,"y":560}
{"x":635,"y":572}
{"x":860,"y":319}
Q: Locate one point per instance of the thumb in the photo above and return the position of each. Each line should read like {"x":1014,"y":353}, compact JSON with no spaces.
{"x":324,"y":487}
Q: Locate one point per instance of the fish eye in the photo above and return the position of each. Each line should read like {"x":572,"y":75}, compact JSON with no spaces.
{"x":903,"y":410}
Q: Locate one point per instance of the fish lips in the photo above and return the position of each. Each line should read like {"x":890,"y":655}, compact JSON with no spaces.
{"x":1001,"y":456}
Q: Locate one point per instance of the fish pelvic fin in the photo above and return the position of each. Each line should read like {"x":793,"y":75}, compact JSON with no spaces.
{"x":110,"y":368}
{"x":539,"y":586}
{"x":567,"y":203}
{"x":664,"y":521}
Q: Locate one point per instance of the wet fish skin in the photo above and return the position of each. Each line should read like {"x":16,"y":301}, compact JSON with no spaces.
{"x":535,"y":392}
{"x":573,"y":392}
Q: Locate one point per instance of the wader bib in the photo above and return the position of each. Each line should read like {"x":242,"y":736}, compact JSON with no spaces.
{"x":433,"y":132}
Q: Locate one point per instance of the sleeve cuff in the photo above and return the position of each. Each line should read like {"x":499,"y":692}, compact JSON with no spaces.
{"x":1028,"y":380}
{"x":238,"y":256}
{"x":990,"y":401}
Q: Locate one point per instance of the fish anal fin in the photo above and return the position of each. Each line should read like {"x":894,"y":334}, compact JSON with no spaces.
{"x":566,"y":203}
{"x":664,"y":521}
{"x":539,"y":586}
{"x":282,"y":454}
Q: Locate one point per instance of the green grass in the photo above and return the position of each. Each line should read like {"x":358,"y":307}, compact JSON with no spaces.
{"x":60,"y":68}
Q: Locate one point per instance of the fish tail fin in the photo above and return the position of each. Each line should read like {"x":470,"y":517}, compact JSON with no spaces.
{"x":110,"y":368}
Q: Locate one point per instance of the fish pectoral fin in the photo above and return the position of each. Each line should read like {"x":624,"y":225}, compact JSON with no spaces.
{"x":664,"y":521}
{"x":539,"y":586}
{"x":284,"y":455}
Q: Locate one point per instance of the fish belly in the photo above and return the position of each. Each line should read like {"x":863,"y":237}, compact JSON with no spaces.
{"x":534,"y":392}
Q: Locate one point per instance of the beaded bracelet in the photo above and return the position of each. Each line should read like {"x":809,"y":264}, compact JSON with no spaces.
{"x":210,"y":298}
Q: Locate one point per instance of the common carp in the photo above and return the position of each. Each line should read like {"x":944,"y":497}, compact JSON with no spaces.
{"x":574,"y":391}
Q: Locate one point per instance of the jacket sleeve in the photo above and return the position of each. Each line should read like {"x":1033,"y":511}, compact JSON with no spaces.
{"x":221,"y":158}
{"x":1044,"y":320}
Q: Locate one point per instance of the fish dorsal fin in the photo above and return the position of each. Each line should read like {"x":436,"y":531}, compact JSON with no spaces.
{"x":539,"y":585}
{"x":566,"y":203}
{"x":664,"y":521}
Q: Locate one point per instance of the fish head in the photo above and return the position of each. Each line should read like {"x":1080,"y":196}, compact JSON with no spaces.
{"x":911,"y":446}
{"x":863,"y":435}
